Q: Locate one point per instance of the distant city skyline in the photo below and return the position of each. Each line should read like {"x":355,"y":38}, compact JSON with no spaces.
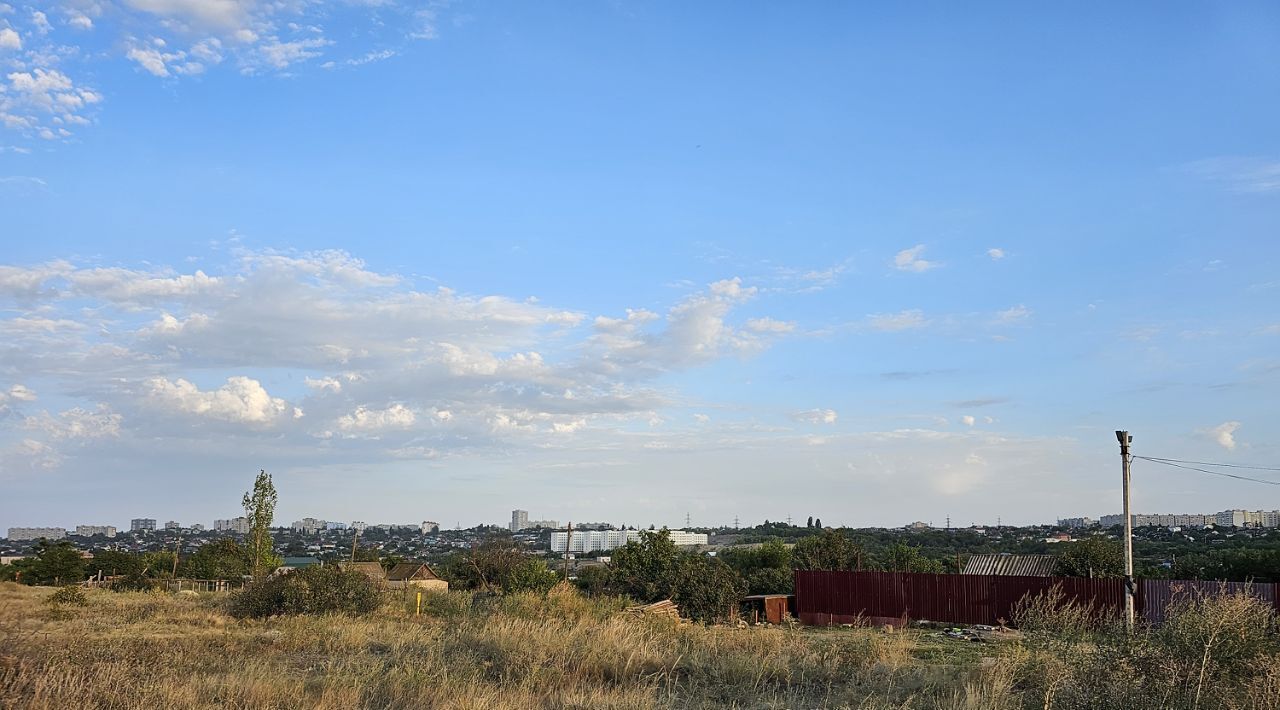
{"x":629,"y":262}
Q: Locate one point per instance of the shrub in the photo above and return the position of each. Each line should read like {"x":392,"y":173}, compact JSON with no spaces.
{"x":311,"y":590}
{"x":530,"y":576}
{"x":69,"y":595}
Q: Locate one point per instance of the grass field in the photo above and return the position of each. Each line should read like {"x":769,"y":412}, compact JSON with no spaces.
{"x":134,"y":650}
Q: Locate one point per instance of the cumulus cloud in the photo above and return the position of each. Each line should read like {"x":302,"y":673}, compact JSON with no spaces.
{"x":995,"y":253}
{"x":1224,"y":434}
{"x":968,"y":420}
{"x":9,"y":39}
{"x":366,"y":420}
{"x":909,"y":260}
{"x":241,"y":400}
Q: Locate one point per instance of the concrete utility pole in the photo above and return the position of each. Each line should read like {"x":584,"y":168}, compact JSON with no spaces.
{"x":568,"y":538}
{"x":1124,"y":439}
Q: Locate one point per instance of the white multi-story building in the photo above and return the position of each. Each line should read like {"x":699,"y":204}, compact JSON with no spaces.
{"x":335,"y":526}
{"x":91,"y":530}
{"x":1230,"y":518}
{"x":428,"y":527}
{"x":309,"y":526}
{"x":236,"y":525}
{"x":1077,"y":523}
{"x":36,"y":533}
{"x":142,"y":524}
{"x":172,"y":525}
{"x":359,"y":526}
{"x":598,"y":540}
{"x":519,"y":520}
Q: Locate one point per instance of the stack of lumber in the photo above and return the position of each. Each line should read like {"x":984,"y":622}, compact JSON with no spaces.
{"x":666,"y":607}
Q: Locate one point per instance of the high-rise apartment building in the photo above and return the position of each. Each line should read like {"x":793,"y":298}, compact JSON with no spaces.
{"x":236,"y":525}
{"x":91,"y":530}
{"x":141,"y":524}
{"x":519,"y":520}
{"x":16,"y":534}
{"x":428,"y":527}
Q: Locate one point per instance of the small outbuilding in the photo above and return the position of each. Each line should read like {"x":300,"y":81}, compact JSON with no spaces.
{"x":769,"y":608}
{"x":1011,"y":565}
{"x":415,"y":574}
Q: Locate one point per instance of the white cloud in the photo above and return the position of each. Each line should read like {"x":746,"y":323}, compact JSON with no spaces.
{"x":366,"y":420}
{"x":968,"y":420}
{"x":816,"y":416}
{"x":770,"y":325}
{"x":331,"y":384}
{"x":79,"y":20}
{"x":77,"y":424}
{"x":241,"y":400}
{"x":9,"y":39}
{"x":1240,"y":174}
{"x":21,"y":393}
{"x":995,"y":253}
{"x":40,"y":22}
{"x":909,"y":260}
{"x":903,"y":320}
{"x":1014,"y":315}
{"x":1224,"y":434}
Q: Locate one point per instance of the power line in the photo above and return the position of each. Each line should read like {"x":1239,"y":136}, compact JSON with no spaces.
{"x":1211,"y":473}
{"x":1208,"y":463}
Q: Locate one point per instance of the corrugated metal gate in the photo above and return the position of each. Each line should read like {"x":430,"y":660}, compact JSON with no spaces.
{"x":824,"y":598}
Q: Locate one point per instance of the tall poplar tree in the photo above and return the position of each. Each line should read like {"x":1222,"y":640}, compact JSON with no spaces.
{"x":260,"y":509}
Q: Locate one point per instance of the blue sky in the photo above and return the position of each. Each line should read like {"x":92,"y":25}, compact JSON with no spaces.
{"x":614,"y":261}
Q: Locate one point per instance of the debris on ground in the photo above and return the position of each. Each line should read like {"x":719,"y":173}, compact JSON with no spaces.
{"x":666,"y":607}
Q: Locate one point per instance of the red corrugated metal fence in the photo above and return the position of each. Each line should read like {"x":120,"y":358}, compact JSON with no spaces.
{"x":824,"y":598}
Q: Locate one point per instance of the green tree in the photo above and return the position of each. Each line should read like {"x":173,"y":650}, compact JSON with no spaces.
{"x":260,"y":509}
{"x":706,"y":589}
{"x":532,"y":575}
{"x":53,"y":562}
{"x":902,"y":557}
{"x":111,"y":563}
{"x":221,"y":559}
{"x":1091,"y":557}
{"x":487,"y":566}
{"x":809,"y":524}
{"x":828,"y":550}
{"x":817,"y":523}
{"x":646,"y":569}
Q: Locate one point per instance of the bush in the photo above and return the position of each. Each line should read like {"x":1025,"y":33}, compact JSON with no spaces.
{"x":311,"y":590}
{"x":69,"y":595}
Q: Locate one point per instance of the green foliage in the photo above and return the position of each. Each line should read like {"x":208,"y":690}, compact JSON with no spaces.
{"x":1244,"y":565}
{"x":593,"y":580}
{"x":310,"y":590}
{"x":158,"y":564}
{"x":828,"y":550}
{"x":770,"y":580}
{"x":765,"y":568}
{"x":390,"y":561}
{"x":646,"y":569}
{"x":221,"y":559}
{"x":70,"y":595}
{"x":532,"y":575}
{"x":487,"y":566}
{"x":260,"y":508}
{"x":110,"y":563}
{"x":905,"y":558}
{"x":8,"y":573}
{"x":1091,"y":557}
{"x":706,"y":589}
{"x":53,"y":562}
{"x":653,"y":569}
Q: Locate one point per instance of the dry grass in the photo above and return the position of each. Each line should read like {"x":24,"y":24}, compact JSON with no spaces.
{"x":139,"y":650}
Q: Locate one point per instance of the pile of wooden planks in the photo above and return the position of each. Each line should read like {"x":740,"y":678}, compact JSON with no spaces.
{"x":666,"y":607}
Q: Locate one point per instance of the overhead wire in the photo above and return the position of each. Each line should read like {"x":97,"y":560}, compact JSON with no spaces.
{"x":1211,"y":473}
{"x":1210,"y":463}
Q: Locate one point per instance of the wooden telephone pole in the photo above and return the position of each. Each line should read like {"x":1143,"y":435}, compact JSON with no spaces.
{"x":1125,"y":439}
{"x":568,"y":538}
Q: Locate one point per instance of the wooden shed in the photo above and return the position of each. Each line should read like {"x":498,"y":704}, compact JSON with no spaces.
{"x":769,"y":608}
{"x":415,"y":574}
